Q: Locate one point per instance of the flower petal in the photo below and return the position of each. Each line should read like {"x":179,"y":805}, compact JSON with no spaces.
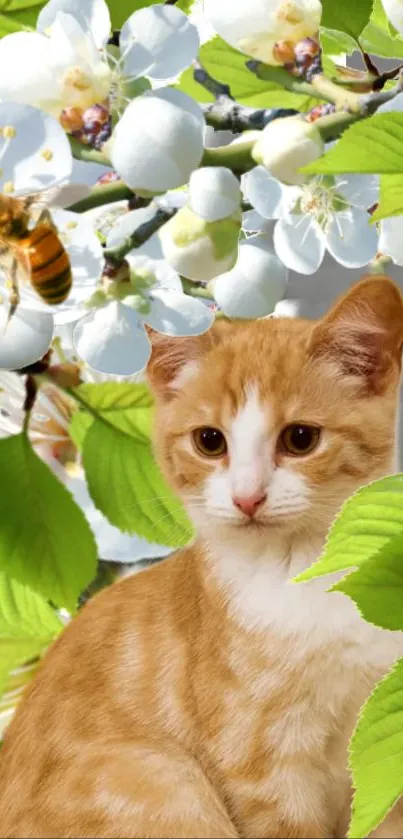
{"x":360,"y":190}
{"x":391,"y":238}
{"x":111,"y":340}
{"x":158,"y":141}
{"x":158,"y":40}
{"x":92,"y":15}
{"x":127,"y":223}
{"x":299,"y":244}
{"x":256,"y":283}
{"x":295,"y":308}
{"x":173,"y":313}
{"x":351,"y":239}
{"x":112,"y":544}
{"x":25,"y":339}
{"x":80,"y":69}
{"x":253,"y":222}
{"x":257,"y":28}
{"x":38,"y":157}
{"x":25,"y":69}
{"x":265,"y":193}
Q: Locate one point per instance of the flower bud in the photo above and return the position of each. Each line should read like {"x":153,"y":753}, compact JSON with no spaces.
{"x":287,"y":144}
{"x":258,"y":30}
{"x":199,"y":249}
{"x":158,"y":141}
{"x":214,"y":193}
{"x":256,"y":283}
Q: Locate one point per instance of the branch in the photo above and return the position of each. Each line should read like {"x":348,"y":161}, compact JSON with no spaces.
{"x":117,"y":253}
{"x":227,"y":114}
{"x":284,"y":79}
{"x":333,"y":125}
{"x":235,"y":156}
{"x":103,"y":194}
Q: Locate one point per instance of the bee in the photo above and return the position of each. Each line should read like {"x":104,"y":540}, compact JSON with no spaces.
{"x":31,"y":251}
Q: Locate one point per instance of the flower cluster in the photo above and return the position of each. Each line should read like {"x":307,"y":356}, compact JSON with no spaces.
{"x":115,"y":96}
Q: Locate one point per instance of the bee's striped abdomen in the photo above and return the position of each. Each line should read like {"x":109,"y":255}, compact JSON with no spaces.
{"x":49,"y":264}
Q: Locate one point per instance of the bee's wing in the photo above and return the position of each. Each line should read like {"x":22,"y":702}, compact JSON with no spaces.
{"x":14,"y":261}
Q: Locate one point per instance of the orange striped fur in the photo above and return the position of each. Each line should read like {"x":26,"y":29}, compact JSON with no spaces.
{"x":209,"y":696}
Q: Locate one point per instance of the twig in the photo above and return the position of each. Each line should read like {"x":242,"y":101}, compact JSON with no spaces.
{"x":202,"y":77}
{"x":103,"y":194}
{"x":87,"y":153}
{"x":284,"y":79}
{"x":227,"y":114}
{"x":332,"y":126}
{"x":117,"y":253}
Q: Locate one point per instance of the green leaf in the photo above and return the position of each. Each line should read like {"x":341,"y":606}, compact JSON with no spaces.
{"x":126,"y":484}
{"x":27,"y":625}
{"x":78,"y":428}
{"x":390,"y":197}
{"x":18,"y":14}
{"x":334,"y":42}
{"x":120,"y":10}
{"x":377,"y":586}
{"x":372,"y":145}
{"x":346,"y":16}
{"x":228,"y":66}
{"x":123,"y":478}
{"x":125,"y":406}
{"x":376,"y":755}
{"x":45,"y":541}
{"x":366,"y":524}
{"x":377,"y":37}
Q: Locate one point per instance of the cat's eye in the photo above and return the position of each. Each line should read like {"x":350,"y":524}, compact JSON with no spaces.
{"x":209,"y":442}
{"x":298,"y":439}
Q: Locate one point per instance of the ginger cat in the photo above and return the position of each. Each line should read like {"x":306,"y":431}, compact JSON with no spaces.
{"x":207,"y":696}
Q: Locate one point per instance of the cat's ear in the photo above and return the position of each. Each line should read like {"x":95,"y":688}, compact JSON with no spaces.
{"x":175,"y":360}
{"x":363,"y":333}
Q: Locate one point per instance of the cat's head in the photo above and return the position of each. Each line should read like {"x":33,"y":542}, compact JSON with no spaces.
{"x":270,"y":425}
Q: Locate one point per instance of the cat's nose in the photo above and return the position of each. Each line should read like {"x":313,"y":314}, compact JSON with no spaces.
{"x":248,"y":504}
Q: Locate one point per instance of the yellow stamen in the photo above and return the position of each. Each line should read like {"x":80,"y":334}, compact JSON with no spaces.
{"x":8,"y":187}
{"x":47,"y":154}
{"x":9,"y":132}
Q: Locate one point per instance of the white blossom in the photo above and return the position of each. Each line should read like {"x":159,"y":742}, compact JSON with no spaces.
{"x":60,"y":70}
{"x":285,"y":146}
{"x":158,"y":141}
{"x":255,"y":29}
{"x":67,"y":64}
{"x":35,"y":154}
{"x":111,"y":338}
{"x":324,"y":214}
{"x":158,"y":41}
{"x":92,"y":15}
{"x":256,"y":283}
